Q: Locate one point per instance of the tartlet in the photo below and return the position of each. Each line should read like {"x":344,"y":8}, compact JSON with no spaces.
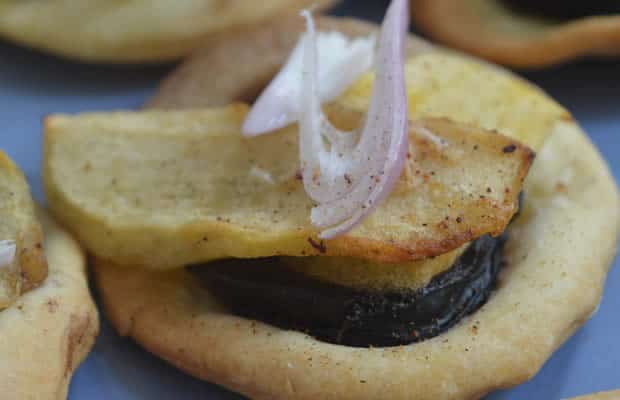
{"x":555,"y":260}
{"x":522,"y":34}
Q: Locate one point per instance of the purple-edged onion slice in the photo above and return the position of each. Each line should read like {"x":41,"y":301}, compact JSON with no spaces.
{"x":343,"y":61}
{"x":7,"y":252}
{"x":349,"y":173}
{"x":346,"y":173}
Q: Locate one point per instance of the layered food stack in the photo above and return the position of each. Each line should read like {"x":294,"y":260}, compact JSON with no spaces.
{"x":426,"y":251}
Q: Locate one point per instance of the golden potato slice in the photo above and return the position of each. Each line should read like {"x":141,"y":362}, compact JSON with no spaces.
{"x":19,"y":225}
{"x":372,"y":275}
{"x":440,"y":84}
{"x":131,"y":31}
{"x":168,"y":188}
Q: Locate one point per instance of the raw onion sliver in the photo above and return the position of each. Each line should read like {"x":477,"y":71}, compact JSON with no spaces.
{"x":343,"y":62}
{"x":7,"y":252}
{"x":350,"y":176}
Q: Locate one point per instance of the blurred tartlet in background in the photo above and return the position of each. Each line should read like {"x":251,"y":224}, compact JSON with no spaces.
{"x":127,"y":32}
{"x":523,"y":33}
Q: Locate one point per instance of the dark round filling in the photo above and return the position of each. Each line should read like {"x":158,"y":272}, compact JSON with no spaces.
{"x":565,"y":9}
{"x":263,"y":289}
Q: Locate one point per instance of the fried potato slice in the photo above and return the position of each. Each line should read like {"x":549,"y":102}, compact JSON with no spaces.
{"x":495,"y":31}
{"x":440,"y":84}
{"x":371,"y":275}
{"x":132,"y":31}
{"x":19,"y":224}
{"x":164,"y":189}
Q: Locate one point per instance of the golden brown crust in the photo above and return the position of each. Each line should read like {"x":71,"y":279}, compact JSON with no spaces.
{"x":135,"y":31}
{"x":47,"y":332}
{"x":558,"y":256}
{"x":209,"y":79}
{"x":371,"y":275}
{"x":611,"y":395}
{"x":490,"y":30}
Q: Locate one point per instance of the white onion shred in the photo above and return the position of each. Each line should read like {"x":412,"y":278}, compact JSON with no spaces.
{"x":7,"y":252}
{"x":349,"y":173}
{"x":261,"y":174}
{"x":420,"y":129}
{"x":343,"y":61}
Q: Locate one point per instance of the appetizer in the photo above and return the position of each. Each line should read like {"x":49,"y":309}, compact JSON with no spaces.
{"x":523,"y":33}
{"x":375,"y":225}
{"x":48,"y":320}
{"x":128,"y":32}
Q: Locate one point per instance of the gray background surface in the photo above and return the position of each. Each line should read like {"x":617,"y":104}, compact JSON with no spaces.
{"x":33,"y":85}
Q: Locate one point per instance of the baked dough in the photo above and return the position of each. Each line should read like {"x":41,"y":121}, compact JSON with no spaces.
{"x":612,"y":395}
{"x":558,"y":256}
{"x":489,"y":29}
{"x":48,"y":331}
{"x":133,"y":31}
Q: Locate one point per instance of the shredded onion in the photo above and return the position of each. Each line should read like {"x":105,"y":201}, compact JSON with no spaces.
{"x":7,"y":252}
{"x":346,"y":173}
{"x":343,"y":61}
{"x":349,"y":173}
{"x":421,"y":129}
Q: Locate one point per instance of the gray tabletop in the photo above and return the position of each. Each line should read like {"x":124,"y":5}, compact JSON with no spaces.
{"x":33,"y":85}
